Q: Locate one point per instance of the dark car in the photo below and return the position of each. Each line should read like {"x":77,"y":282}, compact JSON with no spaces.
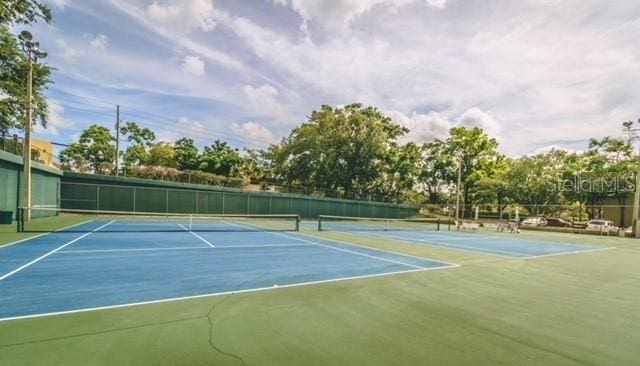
{"x":555,"y":222}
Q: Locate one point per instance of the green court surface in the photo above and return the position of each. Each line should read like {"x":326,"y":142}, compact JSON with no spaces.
{"x":574,"y":309}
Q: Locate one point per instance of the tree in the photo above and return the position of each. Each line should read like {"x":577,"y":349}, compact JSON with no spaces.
{"x":534,"y":179}
{"x":496,"y":188}
{"x":402,"y":171}
{"x":221,"y":159}
{"x":23,"y":12}
{"x":140,"y":141}
{"x":338,"y":149}
{"x":186,"y":154}
{"x":471,"y":149}
{"x":94,"y":151}
{"x":14,"y":66}
{"x":611,"y":165}
{"x":162,"y":154}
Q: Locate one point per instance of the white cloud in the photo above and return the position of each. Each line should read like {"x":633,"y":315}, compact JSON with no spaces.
{"x":254,"y":132}
{"x":56,"y":122}
{"x":433,"y":125}
{"x":100,"y":42}
{"x":60,"y":3}
{"x":264,"y":100}
{"x":193,"y":65}
{"x":474,"y":117}
{"x":183,"y":15}
{"x":549,"y":148}
{"x":338,"y":14}
{"x":185,"y":127}
{"x":422,"y":127}
{"x":67,"y":52}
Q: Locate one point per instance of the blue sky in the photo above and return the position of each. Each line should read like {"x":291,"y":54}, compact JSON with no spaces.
{"x":534,"y":74}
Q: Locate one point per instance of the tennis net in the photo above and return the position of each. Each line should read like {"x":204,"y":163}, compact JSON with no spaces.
{"x":345,"y":223}
{"x":71,"y":220}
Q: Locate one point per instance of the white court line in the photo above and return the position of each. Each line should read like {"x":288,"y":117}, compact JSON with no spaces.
{"x":53,"y":251}
{"x":349,"y":251}
{"x":355,"y":245}
{"x":181,"y":248}
{"x":570,"y":252}
{"x":381,"y":250}
{"x":43,"y":234}
{"x":453,"y":246}
{"x":197,"y":236}
{"x":274,"y":287}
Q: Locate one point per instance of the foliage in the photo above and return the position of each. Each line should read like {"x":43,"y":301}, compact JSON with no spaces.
{"x":14,"y":70}
{"x":341,"y":149}
{"x":94,"y":152}
{"x":220,"y":159}
{"x":186,"y":154}
{"x":23,"y":12}
{"x":162,"y":154}
{"x":14,"y":66}
{"x":140,"y":141}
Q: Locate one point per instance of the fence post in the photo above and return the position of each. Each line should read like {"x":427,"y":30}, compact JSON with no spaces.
{"x":98,"y":198}
{"x":223,"y":195}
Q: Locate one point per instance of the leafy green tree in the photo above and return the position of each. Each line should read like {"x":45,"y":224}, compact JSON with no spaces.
{"x":23,"y":12}
{"x":258,"y":166}
{"x":401,"y":173}
{"x":534,"y":180}
{"x":221,"y":159}
{"x":94,"y":152}
{"x":496,"y":187}
{"x":14,"y":66}
{"x":162,"y":154}
{"x":186,"y":154}
{"x":611,"y":165}
{"x":338,"y":149}
{"x":140,"y":141}
{"x":438,"y":170}
{"x":471,"y":150}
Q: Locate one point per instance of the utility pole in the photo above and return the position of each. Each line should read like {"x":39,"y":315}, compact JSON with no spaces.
{"x":633,"y":135}
{"x":117,"y":140}
{"x":458,"y":191}
{"x":33,"y":52}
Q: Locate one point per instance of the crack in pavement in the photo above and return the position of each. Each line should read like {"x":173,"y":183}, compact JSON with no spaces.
{"x":211,"y":337}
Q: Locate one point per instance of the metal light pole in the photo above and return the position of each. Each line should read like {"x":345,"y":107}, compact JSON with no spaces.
{"x":633,"y":135}
{"x":32,"y":49}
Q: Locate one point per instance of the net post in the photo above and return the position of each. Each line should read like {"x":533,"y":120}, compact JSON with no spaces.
{"x":19,"y":220}
{"x":319,"y":223}
{"x":438,"y":225}
{"x":298,"y":223}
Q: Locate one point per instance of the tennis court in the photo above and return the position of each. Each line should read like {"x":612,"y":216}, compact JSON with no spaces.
{"x":435,"y":233}
{"x":105,"y":263}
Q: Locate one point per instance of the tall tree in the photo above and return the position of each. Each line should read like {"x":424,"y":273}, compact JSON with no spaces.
{"x":14,"y":66}
{"x":186,"y":154}
{"x":162,"y":154}
{"x":93,"y":152}
{"x":338,"y":149}
{"x":140,"y":141}
{"x":221,"y":159}
{"x":470,"y":149}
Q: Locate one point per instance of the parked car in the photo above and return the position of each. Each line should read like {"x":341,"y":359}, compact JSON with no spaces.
{"x":601,"y":225}
{"x":534,"y":222}
{"x":557,"y":222}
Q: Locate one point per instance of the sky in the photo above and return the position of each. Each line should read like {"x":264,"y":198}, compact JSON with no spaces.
{"x":534,"y":74}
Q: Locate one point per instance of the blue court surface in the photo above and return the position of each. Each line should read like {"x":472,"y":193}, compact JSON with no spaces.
{"x":99,"y":266}
{"x":507,"y":245}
